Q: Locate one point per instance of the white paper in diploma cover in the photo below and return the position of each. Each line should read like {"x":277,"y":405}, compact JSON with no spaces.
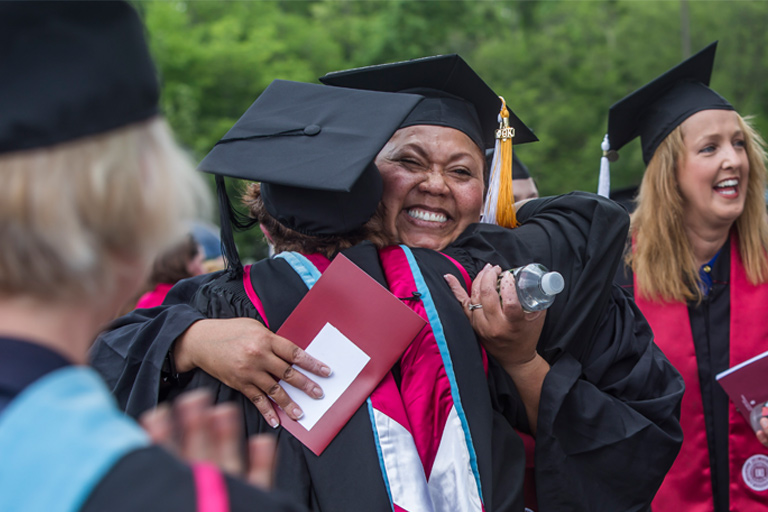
{"x":345,"y":358}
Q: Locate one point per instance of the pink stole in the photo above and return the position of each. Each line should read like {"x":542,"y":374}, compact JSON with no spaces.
{"x":154,"y":297}
{"x":688,"y":485}
{"x":427,"y":410}
{"x":211,"y":488}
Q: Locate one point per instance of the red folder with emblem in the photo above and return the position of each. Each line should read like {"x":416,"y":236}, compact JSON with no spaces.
{"x":350,"y":318}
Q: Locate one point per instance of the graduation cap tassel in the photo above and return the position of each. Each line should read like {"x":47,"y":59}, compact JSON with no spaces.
{"x":226,"y":214}
{"x":499,"y":201}
{"x":604,"y":181}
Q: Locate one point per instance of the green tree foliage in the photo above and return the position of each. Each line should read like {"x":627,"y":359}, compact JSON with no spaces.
{"x":559,"y":64}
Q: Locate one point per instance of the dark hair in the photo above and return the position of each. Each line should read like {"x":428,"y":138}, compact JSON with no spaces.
{"x":286,"y":239}
{"x":171,"y":265}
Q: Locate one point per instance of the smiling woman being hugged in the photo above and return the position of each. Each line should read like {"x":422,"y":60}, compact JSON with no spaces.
{"x":699,"y":272}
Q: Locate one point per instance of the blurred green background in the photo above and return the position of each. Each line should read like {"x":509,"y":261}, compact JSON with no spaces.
{"x":559,"y":64}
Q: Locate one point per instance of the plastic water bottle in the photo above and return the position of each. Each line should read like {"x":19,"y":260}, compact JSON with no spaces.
{"x":537,"y":286}
{"x":759,"y":412}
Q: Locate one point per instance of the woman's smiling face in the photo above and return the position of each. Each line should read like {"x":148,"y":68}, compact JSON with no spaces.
{"x":433,"y":185}
{"x":714,"y":172}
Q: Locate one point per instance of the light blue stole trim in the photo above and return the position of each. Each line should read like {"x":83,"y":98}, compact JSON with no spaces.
{"x":442,"y":344}
{"x":301,"y":264}
{"x":382,"y":466}
{"x":58,"y":439}
{"x":309,"y":274}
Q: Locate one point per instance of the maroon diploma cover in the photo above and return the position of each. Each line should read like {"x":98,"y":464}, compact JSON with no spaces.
{"x":348,"y":301}
{"x":747,"y":384}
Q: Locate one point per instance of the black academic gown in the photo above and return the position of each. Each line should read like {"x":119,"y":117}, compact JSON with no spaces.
{"x":710,"y":329}
{"x":143,"y":478}
{"x":610,"y":396}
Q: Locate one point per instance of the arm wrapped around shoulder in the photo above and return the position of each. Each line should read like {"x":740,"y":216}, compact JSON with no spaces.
{"x":579,"y":235}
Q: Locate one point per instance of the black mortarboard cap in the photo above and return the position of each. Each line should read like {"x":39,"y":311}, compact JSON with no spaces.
{"x":519,"y":170}
{"x":312,"y":148}
{"x":71,"y":69}
{"x":657,"y":108}
{"x":455,"y":96}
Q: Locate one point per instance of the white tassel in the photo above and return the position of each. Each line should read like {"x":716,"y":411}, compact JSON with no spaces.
{"x":604,"y":181}
{"x":494,"y":183}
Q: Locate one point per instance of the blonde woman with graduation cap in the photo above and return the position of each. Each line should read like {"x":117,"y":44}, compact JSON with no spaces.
{"x":699,"y":272}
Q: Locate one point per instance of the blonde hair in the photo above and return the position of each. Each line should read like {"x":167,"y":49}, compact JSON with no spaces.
{"x":73,"y":215}
{"x":662,"y":258}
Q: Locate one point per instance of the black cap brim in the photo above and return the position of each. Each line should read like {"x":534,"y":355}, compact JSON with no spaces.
{"x":448,"y":74}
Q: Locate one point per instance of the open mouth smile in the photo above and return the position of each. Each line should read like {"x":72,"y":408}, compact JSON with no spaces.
{"x":728,"y":187}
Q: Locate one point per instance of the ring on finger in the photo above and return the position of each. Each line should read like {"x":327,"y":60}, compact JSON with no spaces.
{"x":473,"y":307}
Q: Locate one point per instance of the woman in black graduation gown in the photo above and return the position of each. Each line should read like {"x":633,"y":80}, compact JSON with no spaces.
{"x":599,"y":403}
{"x":698,"y":270}
{"x":93,"y":186}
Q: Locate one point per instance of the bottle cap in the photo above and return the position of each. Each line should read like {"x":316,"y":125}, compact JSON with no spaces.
{"x":552,"y":283}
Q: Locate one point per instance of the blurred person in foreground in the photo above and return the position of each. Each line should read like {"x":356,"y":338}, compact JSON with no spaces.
{"x":699,"y":272}
{"x":594,"y":347}
{"x":93,"y":185}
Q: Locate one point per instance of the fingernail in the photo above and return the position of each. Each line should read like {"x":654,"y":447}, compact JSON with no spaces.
{"x":317,"y":392}
{"x":487,"y":265}
{"x":274,"y":423}
{"x":325,"y":371}
{"x":298,"y":413}
{"x":445,"y":276}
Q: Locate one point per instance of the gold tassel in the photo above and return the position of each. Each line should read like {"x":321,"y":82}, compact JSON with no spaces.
{"x":505,"y":210}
